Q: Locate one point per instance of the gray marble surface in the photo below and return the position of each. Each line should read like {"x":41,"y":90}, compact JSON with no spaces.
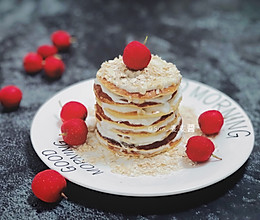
{"x":214,"y":42}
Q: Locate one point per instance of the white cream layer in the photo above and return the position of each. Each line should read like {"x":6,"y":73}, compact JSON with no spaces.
{"x":146,"y":152}
{"x":151,"y":128}
{"x":133,"y":139}
{"x":164,"y":108}
{"x":122,"y":100}
{"x":139,"y":121}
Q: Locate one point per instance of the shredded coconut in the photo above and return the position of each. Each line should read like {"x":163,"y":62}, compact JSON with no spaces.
{"x":159,"y":74}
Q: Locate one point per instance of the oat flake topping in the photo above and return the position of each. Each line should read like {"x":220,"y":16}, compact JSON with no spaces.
{"x":159,"y":74}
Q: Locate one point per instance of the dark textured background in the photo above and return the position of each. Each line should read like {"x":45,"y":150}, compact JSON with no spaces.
{"x":215,"y":42}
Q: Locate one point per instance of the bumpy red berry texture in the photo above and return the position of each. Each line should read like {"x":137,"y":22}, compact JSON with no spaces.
{"x":61,"y":39}
{"x":199,"y":148}
{"x":32,"y":62}
{"x":73,"y":109}
{"x":10,"y":97}
{"x":211,"y":122}
{"x":46,"y":50}
{"x":54,"y":67}
{"x":136,"y":56}
{"x":74,"y":131}
{"x":48,"y":185}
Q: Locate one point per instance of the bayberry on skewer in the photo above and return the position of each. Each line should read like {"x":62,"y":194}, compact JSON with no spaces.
{"x":73,"y":109}
{"x":32,"y":62}
{"x":48,"y":186}
{"x":46,"y":50}
{"x":200,"y":149}
{"x":53,"y":67}
{"x":10,"y":97}
{"x":136,"y":56}
{"x":61,"y":39}
{"x":74,"y":131}
{"x":211,"y":122}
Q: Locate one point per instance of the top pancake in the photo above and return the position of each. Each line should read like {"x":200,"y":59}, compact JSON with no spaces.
{"x":159,"y":78}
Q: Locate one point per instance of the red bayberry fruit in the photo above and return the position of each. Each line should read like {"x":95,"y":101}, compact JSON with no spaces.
{"x":73,"y":109}
{"x":46,"y":50}
{"x":210,"y":122}
{"x":74,"y":131}
{"x":61,"y":39}
{"x":136,"y":56}
{"x":200,"y":149}
{"x":54,"y":67}
{"x":10,"y":96}
{"x":32,"y":62}
{"x":48,"y":185}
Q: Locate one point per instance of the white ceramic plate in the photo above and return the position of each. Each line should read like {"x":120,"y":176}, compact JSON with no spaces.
{"x":235,"y":143}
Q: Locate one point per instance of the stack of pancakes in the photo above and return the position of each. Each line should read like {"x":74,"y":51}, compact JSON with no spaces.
{"x":137,"y":111}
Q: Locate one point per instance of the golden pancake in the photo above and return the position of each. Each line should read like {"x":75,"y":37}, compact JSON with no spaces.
{"x":142,"y":114}
{"x":103,"y":97}
{"x":146,"y":150}
{"x":154,"y":130}
{"x":148,"y":95}
{"x":126,"y":125}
